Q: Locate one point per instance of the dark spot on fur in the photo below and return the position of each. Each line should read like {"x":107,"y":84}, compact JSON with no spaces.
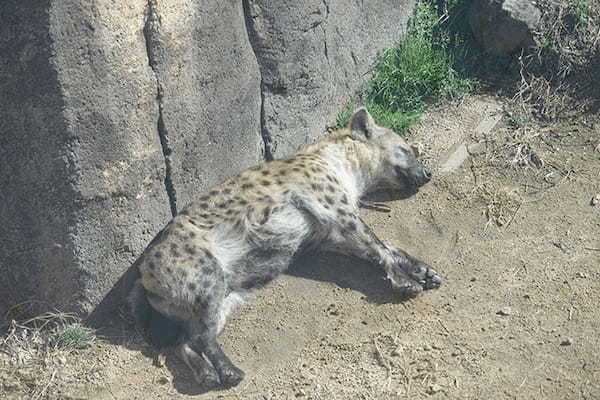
{"x":203,"y":205}
{"x":290,"y":161}
{"x":185,"y":212}
{"x":226,"y":191}
{"x":229,"y":212}
{"x":246,"y":186}
{"x":316,"y":187}
{"x":151,"y":265}
{"x":342,"y":212}
{"x":307,"y":174}
{"x":282,"y":172}
{"x":183,"y":273}
{"x":213,"y":192}
{"x":191,"y":250}
{"x":169,"y":270}
{"x":206,"y":284}
{"x":329,"y":199}
{"x":344,"y":199}
{"x":286,"y":192}
{"x":193,"y":222}
{"x":222,"y":205}
{"x":158,"y":254}
{"x":351,"y":225}
{"x":178,"y":224}
{"x":296,"y":169}
{"x":265,"y":183}
{"x":192,"y":286}
{"x":209,"y":255}
{"x":279,"y":182}
{"x":265,"y":172}
{"x":192,"y":235}
{"x":314,"y":169}
{"x":204,"y":198}
{"x":265,"y":215}
{"x":243,"y":202}
{"x":330,"y":188}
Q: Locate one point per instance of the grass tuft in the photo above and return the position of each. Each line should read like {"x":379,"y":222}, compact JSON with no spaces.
{"x":417,"y":72}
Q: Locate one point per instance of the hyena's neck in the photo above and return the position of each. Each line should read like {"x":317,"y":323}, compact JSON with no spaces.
{"x":357,"y":164}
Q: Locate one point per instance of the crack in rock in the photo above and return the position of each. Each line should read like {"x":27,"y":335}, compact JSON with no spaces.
{"x":269,"y":145}
{"x":154,"y":50}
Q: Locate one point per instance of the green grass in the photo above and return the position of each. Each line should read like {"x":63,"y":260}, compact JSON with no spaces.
{"x":75,"y":336}
{"x":581,"y":12}
{"x":418,"y":71}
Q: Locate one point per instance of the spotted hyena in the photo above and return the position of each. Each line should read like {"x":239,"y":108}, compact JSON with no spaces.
{"x":246,"y":231}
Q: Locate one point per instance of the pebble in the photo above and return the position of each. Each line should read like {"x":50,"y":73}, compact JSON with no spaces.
{"x":434,"y":388}
{"x":504,"y":311}
{"x":566,"y":342}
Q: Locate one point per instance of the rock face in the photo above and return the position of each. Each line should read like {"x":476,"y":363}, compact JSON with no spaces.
{"x":504,"y":26}
{"x":313,"y":54}
{"x":116,"y":114}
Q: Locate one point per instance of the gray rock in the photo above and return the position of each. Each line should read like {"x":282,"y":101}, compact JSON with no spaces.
{"x":115,"y":115}
{"x":81,"y":165}
{"x":504,"y":26}
{"x":211,"y":91}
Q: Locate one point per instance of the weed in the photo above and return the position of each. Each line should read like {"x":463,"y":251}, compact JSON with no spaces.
{"x":75,"y":336}
{"x":418,"y":71}
{"x":581,"y":12}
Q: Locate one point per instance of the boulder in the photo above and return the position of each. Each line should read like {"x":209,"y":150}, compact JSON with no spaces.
{"x":117,"y":114}
{"x":81,"y":164}
{"x":504,"y":26}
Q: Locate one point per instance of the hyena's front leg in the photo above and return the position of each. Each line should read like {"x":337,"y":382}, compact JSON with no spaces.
{"x":408,"y":275}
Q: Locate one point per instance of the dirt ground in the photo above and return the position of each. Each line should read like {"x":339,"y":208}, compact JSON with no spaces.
{"x":514,"y":234}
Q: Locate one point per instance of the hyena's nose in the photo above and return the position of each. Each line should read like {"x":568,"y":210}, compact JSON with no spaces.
{"x":426,"y":174}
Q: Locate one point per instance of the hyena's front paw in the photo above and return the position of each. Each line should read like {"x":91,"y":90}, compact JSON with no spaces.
{"x":418,"y":274}
{"x":424,"y":275}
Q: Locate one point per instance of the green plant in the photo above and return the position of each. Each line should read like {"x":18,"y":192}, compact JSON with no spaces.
{"x":75,"y":336}
{"x":418,"y":71}
{"x":581,"y":12}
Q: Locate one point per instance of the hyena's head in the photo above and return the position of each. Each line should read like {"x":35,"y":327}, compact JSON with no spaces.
{"x":397,"y":165}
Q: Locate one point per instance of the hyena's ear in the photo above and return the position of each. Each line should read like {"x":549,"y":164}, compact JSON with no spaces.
{"x":362,"y":125}
{"x":417,"y":148}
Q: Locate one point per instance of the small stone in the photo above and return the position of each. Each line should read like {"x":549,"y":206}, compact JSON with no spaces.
{"x":504,"y":311}
{"x":434,"y":388}
{"x":476,"y":148}
{"x":566,"y":342}
{"x":163,"y":380}
{"x":426,"y":347}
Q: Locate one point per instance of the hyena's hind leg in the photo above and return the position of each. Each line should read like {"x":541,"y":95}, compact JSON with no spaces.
{"x":203,"y":371}
{"x":203,"y":328}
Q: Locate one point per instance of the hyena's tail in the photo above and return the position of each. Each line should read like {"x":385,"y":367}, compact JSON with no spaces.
{"x":157,"y":329}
